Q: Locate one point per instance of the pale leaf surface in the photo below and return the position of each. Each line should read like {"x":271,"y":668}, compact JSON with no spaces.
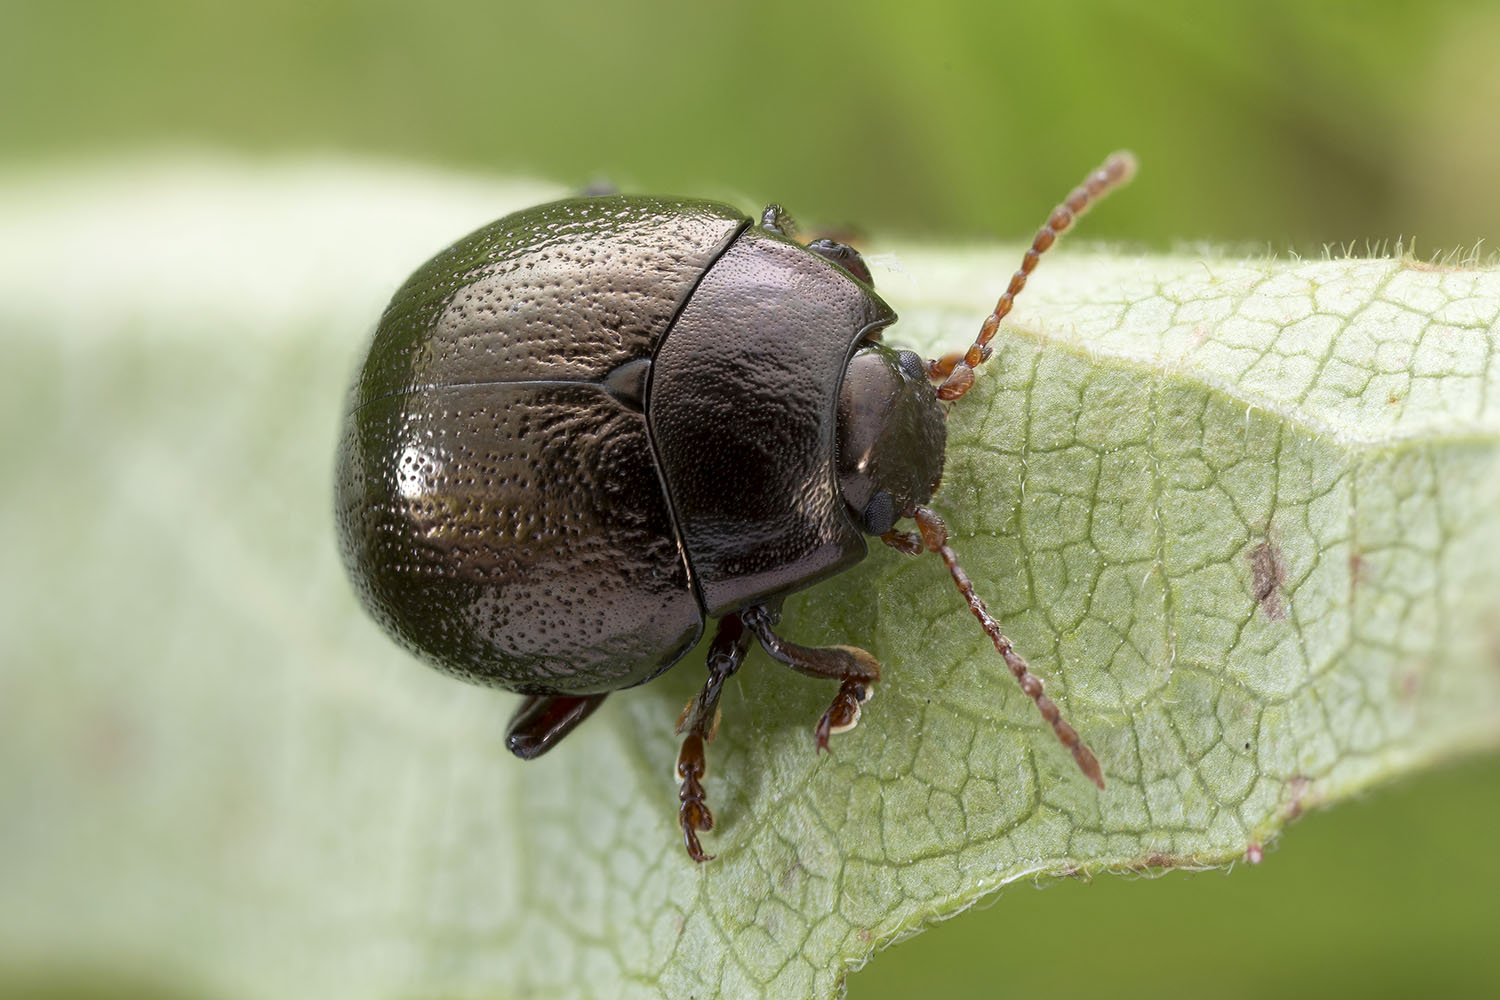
{"x":1241,"y":515}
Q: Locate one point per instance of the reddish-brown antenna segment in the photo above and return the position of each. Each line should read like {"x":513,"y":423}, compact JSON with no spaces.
{"x":935,"y":538}
{"x":957,"y":371}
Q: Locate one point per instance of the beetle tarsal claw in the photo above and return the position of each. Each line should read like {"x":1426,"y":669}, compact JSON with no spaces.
{"x":843,"y":714}
{"x":861,"y":694}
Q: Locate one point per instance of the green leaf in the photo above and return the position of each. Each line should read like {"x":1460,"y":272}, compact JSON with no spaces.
{"x":1240,"y":515}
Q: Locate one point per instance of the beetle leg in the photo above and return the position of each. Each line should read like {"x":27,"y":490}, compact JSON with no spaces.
{"x":544,"y":719}
{"x":856,"y":671}
{"x":935,"y":538}
{"x":778,"y":220}
{"x":700,"y":720}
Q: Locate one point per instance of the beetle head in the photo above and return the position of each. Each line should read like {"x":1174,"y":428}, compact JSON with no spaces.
{"x":891,"y":435}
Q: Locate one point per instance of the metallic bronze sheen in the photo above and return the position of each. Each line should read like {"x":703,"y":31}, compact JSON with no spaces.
{"x":742,"y":405}
{"x":498,"y":508}
{"x":588,"y":426}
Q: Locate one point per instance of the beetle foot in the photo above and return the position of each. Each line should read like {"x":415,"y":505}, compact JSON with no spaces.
{"x":843,"y":714}
{"x":700,"y":721}
{"x":693,"y":815}
{"x":854,"y":668}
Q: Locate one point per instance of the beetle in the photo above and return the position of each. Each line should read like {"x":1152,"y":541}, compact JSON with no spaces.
{"x":585,"y":430}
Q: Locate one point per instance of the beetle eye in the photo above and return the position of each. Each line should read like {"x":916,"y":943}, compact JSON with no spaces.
{"x":912,"y":366}
{"x":880,"y":513}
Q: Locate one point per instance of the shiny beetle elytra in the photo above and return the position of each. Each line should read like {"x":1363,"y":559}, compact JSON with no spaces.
{"x":588,"y":428}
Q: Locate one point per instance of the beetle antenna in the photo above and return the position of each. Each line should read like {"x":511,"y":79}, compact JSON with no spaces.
{"x":934,"y":536}
{"x":957,"y":370}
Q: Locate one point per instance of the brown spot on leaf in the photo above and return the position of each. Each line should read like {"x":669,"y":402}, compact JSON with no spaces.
{"x":1359,"y":569}
{"x":1269,"y":570}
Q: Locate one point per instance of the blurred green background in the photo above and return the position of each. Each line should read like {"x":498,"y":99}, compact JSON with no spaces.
{"x":1274,"y":122}
{"x":1280,"y":125}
